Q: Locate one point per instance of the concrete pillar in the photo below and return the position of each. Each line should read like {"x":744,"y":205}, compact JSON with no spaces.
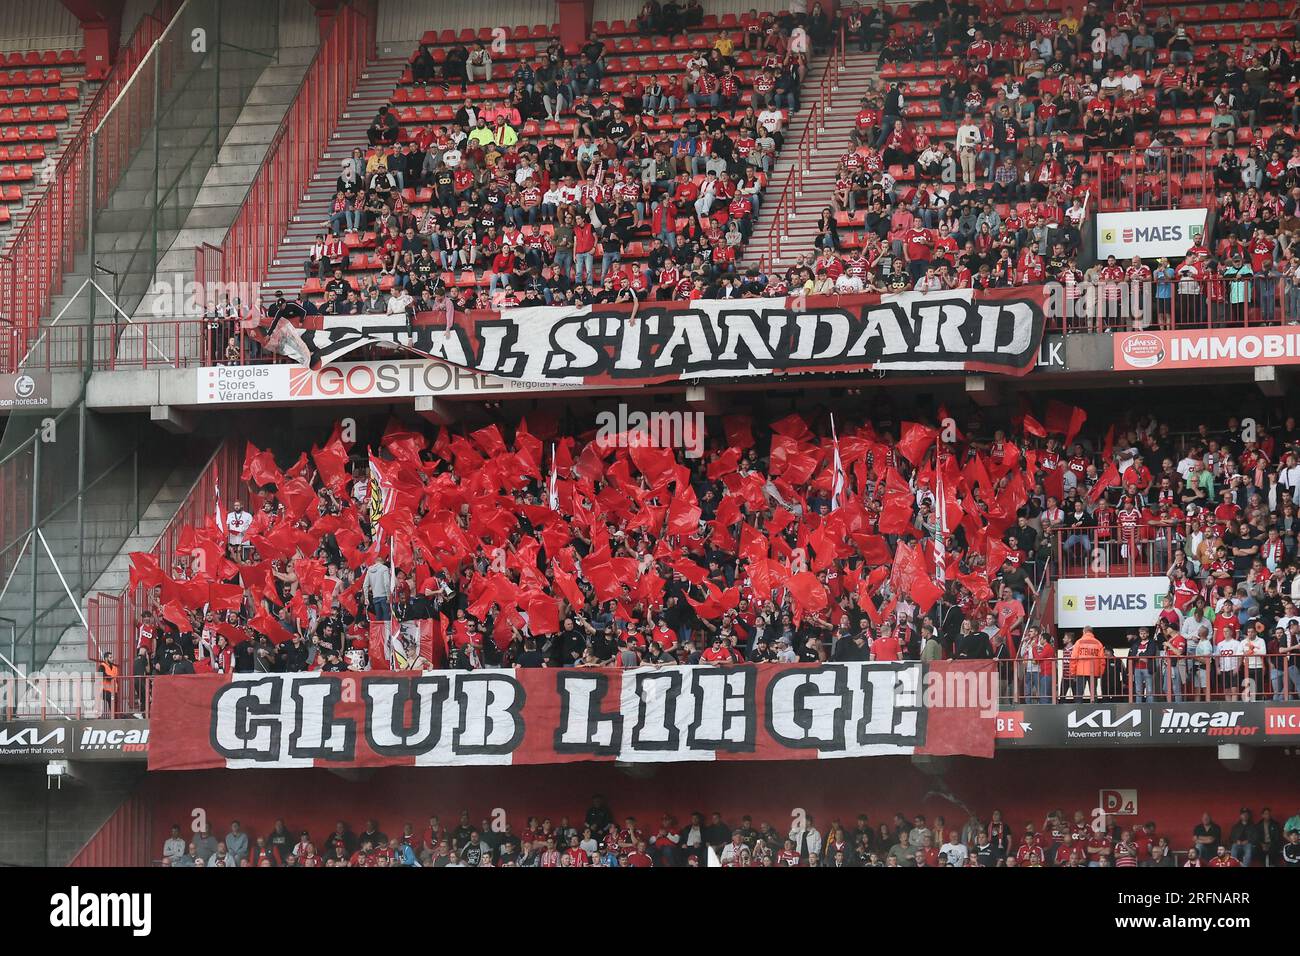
{"x":982,"y":391}
{"x":435,"y":411}
{"x":101,"y":28}
{"x":326,"y":10}
{"x":171,"y":419}
{"x":575,"y":21}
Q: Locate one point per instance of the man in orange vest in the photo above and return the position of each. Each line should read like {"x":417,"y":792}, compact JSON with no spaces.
{"x":108,"y":673}
{"x":1087,"y":662}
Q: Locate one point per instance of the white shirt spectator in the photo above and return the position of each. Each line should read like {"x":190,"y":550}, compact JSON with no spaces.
{"x":771,"y":120}
{"x":848,"y":284}
{"x":237,"y":524}
{"x":957,"y":853}
{"x":1191,"y":628}
{"x":1229,"y":653}
{"x":399,"y":303}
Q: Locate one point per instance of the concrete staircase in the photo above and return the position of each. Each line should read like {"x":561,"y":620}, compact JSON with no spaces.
{"x":209,"y":185}
{"x":228,"y":180}
{"x":374,"y":90}
{"x":799,"y":226}
{"x":61,"y":654}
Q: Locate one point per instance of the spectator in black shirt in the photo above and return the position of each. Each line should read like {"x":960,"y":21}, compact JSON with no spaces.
{"x":599,"y":816}
{"x":1208,"y":835}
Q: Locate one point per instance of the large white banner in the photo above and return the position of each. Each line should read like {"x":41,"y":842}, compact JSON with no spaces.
{"x":1109,"y":602}
{"x":1167,"y":232}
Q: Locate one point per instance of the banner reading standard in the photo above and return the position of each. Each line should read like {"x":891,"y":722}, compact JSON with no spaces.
{"x":1169,"y":232}
{"x":527,"y":716}
{"x":994,"y":331}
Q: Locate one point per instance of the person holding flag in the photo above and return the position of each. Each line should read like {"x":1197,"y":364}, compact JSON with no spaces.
{"x":235,"y":528}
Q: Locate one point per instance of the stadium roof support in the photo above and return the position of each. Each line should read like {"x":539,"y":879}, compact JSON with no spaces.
{"x":983,"y":392}
{"x":101,"y":27}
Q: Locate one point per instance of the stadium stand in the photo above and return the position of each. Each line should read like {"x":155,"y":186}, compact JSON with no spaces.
{"x":1055,"y":133}
{"x":599,"y":839}
{"x":748,"y":558}
{"x":632,"y":118}
{"x":42,"y":97}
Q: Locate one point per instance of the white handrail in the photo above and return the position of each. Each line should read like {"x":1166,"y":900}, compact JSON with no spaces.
{"x":140,"y":67}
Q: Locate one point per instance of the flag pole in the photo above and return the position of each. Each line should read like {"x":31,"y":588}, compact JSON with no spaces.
{"x":940,"y":519}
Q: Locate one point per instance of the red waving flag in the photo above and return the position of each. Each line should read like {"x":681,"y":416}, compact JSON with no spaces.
{"x":916,"y":441}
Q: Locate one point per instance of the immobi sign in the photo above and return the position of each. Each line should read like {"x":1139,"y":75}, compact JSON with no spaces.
{"x":1207,"y":348}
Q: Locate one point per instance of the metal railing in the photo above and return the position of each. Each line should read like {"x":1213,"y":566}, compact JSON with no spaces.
{"x":1268,"y":303}
{"x":1058,"y":679}
{"x":770,"y":245}
{"x":55,"y":229}
{"x":1150,"y":680}
{"x":1178,"y":180}
{"x":1210,"y":301}
{"x":1098,"y":552}
{"x":251,"y":245}
{"x":114,"y":617}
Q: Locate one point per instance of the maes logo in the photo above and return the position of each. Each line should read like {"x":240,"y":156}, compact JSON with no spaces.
{"x":1173,"y":233}
{"x":1129,"y":601}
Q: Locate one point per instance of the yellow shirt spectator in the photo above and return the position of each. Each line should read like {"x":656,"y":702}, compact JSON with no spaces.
{"x":504,"y":136}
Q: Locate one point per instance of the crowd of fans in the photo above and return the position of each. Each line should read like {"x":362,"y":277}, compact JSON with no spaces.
{"x":1039,"y":119}
{"x":566,"y":191}
{"x":1042,"y":117}
{"x":595,"y":555}
{"x":599,"y":839}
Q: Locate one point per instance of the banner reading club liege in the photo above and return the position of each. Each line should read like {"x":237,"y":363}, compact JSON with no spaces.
{"x":543,"y":716}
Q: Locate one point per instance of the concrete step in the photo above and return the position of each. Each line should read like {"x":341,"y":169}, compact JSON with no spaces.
{"x":259,"y":133}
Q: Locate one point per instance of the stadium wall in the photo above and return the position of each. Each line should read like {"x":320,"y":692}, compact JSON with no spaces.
{"x":44,"y":827}
{"x":403,"y":22}
{"x":298,"y":24}
{"x":39,"y":26}
{"x":1173,"y":788}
